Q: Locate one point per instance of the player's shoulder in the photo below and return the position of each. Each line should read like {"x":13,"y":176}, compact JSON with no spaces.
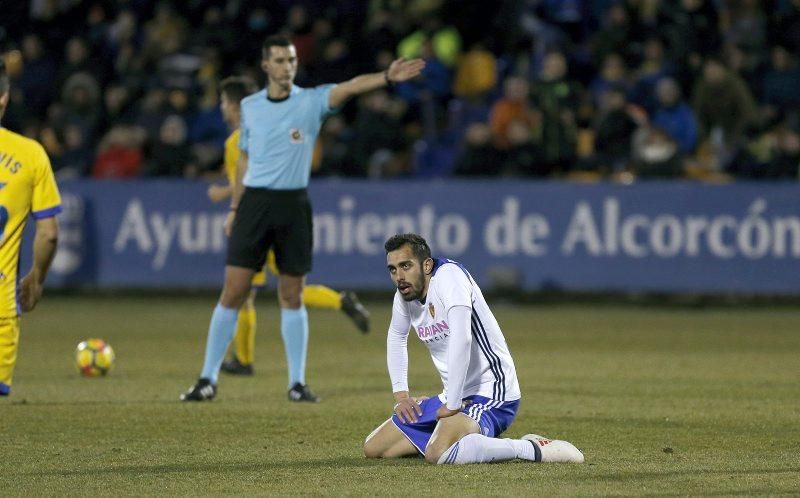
{"x":254,"y":98}
{"x":445,"y":268}
{"x":20,"y":142}
{"x":311,"y":91}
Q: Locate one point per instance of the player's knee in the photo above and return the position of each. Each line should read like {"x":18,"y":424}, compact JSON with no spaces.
{"x":433,"y":454}
{"x":232,"y":299}
{"x":372,"y":450}
{"x":291,"y":301}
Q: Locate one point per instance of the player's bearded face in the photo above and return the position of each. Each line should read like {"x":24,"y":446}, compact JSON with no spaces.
{"x":407,"y":274}
{"x":413,"y":285}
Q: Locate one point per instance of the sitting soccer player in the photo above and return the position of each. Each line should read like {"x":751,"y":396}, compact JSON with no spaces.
{"x":439,"y":299}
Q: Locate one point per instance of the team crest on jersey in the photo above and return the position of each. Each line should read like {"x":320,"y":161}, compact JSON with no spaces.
{"x":296,"y":136}
{"x":431,"y":310}
{"x":2,"y":276}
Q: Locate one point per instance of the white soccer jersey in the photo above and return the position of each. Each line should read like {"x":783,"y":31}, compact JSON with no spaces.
{"x":489,"y":368}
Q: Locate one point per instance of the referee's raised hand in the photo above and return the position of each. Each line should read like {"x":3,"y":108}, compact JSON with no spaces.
{"x":405,"y":69}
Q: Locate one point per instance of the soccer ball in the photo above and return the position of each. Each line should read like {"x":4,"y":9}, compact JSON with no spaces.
{"x":94,"y":357}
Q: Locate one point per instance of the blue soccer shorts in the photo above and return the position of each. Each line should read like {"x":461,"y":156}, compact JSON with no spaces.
{"x":493,"y":418}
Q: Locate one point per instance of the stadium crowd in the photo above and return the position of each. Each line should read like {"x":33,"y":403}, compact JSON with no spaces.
{"x":583,"y":89}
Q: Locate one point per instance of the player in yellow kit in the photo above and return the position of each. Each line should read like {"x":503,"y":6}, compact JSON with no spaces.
{"x":27,"y":187}
{"x":232,"y":91}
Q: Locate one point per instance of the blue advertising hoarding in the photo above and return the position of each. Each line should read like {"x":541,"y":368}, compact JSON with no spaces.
{"x":661,"y":236}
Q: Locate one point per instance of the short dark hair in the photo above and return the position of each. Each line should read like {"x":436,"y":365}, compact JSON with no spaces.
{"x":274,"y":41}
{"x":418,"y":245}
{"x":4,"y":83}
{"x":237,"y":87}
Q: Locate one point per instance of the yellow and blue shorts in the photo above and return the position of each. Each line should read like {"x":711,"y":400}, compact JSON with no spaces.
{"x":9,"y":343}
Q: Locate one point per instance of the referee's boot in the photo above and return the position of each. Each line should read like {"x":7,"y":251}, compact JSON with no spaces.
{"x":203,"y":390}
{"x":353,"y":308}
{"x":236,"y":367}
{"x":301,"y":392}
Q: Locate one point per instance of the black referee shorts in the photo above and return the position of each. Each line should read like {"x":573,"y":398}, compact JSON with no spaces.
{"x":272,"y":219}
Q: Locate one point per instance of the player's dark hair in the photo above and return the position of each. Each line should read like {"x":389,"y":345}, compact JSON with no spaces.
{"x":3,"y":77}
{"x":418,"y":245}
{"x":274,"y":41}
{"x":237,"y":87}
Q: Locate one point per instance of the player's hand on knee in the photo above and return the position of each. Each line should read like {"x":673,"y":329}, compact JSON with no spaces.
{"x":408,"y":410}
{"x":444,"y":412}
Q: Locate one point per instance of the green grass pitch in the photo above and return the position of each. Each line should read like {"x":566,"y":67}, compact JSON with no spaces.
{"x":662,"y":401}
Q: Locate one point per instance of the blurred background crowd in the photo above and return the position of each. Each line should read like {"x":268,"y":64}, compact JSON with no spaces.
{"x":581,"y":89}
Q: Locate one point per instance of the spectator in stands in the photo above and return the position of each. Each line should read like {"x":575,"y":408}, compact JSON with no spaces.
{"x":655,"y":154}
{"x":514,"y":105}
{"x":476,"y":73}
{"x":377,"y":128}
{"x":478,"y":156}
{"x":445,"y":41}
{"x":782,"y":81}
{"x":653,"y":67}
{"x":747,"y":28}
{"x":523,"y":157}
{"x":165,"y":33}
{"x":772,"y":154}
{"x":614,"y":73}
{"x":614,"y":37}
{"x":118,"y":106}
{"x":76,"y":60}
{"x":723,"y":103}
{"x":171,"y":155}
{"x":785,"y":29}
{"x":76,"y":159}
{"x":332,"y":152}
{"x":38,"y":76}
{"x":152,"y":112}
{"x":119,"y":154}
{"x":557,"y":98}
{"x":675,"y":116}
{"x":81,"y":98}
{"x":614,"y":130}
{"x":691,"y":28}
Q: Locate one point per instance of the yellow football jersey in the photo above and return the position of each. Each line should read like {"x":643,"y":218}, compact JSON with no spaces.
{"x":27,"y":187}
{"x":232,"y":156}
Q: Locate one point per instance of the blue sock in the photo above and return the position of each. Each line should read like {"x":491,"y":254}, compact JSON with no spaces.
{"x":294,"y":330}
{"x":220,"y":333}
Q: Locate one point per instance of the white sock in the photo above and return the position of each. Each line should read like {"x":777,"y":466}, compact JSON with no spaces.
{"x":477,"y":448}
{"x":553,"y":450}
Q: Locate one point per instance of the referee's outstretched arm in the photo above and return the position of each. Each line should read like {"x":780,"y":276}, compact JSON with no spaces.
{"x":400,"y":70}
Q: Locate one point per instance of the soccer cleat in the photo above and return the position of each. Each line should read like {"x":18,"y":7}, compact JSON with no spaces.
{"x":203,"y":390}
{"x":553,"y":450}
{"x":301,"y":392}
{"x":353,"y":308}
{"x":235,"y":367}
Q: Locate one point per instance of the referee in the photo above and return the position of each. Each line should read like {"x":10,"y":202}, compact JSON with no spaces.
{"x":270,"y":208}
